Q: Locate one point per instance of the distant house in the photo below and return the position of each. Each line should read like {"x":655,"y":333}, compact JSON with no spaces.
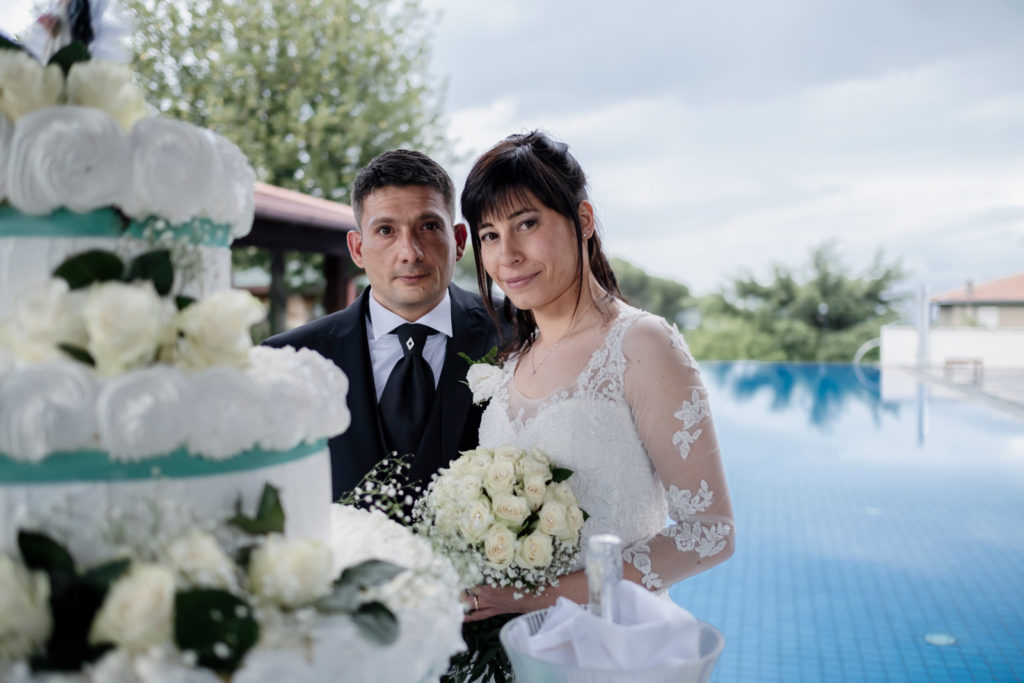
{"x":990,"y":305}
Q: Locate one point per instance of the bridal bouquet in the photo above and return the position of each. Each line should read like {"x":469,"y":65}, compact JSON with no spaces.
{"x":505,"y":517}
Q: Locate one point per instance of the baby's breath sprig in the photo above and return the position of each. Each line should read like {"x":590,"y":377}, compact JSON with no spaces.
{"x":386,"y":487}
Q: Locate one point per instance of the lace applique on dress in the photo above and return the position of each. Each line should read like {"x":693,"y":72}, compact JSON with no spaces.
{"x":691,"y":414}
{"x":639,"y":555}
{"x":688,"y":532}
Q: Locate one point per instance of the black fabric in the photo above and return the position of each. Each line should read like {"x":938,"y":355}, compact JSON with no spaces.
{"x":408,"y":396}
{"x":341,"y":336}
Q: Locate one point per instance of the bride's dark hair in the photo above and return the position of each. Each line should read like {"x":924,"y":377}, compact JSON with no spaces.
{"x":521,"y":164}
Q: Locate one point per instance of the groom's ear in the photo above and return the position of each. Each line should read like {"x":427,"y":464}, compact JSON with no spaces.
{"x":355,"y":246}
{"x":460,"y":239}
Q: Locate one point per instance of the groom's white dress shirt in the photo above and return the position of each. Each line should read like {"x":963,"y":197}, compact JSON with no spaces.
{"x":386,"y":350}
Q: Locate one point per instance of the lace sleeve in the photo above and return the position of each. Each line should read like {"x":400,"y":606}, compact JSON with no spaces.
{"x":673,"y":418}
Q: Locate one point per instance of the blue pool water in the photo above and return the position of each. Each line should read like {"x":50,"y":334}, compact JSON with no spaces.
{"x":869,"y":531}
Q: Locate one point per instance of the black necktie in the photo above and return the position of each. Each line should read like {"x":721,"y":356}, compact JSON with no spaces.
{"x":408,"y":396}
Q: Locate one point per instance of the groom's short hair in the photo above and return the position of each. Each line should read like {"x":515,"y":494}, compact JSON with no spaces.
{"x":401,"y":168}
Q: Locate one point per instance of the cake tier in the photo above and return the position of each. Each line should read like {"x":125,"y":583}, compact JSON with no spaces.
{"x":31,"y":248}
{"x":96,"y":498}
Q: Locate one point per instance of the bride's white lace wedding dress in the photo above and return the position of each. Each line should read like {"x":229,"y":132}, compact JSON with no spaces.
{"x":635,"y":427}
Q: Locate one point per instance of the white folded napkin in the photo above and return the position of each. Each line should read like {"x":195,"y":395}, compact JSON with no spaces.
{"x":651,"y":632}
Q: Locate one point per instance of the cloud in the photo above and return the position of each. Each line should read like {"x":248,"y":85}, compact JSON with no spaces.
{"x":722,"y":137}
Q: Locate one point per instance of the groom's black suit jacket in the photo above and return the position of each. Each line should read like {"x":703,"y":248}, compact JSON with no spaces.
{"x":454,"y":422}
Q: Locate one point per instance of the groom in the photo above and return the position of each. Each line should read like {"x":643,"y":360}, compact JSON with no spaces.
{"x":407,"y":390}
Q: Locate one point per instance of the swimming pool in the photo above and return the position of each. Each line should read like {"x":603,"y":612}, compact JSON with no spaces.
{"x":870,"y":533}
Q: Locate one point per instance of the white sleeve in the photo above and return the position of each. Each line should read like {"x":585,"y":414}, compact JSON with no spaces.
{"x":673,"y":418}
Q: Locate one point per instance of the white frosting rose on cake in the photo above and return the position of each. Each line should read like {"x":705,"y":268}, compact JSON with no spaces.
{"x":174,"y":169}
{"x":91,"y":170}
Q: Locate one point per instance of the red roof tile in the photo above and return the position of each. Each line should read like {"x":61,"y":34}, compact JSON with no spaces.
{"x":287,"y":206}
{"x":1005,"y":290}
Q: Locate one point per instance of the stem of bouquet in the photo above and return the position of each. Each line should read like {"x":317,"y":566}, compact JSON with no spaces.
{"x":485,"y":658}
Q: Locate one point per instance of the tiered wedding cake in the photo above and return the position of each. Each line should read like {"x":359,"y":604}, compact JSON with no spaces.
{"x":164,"y":486}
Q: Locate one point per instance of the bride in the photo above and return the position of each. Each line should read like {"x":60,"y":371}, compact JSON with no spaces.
{"x":604,"y":389}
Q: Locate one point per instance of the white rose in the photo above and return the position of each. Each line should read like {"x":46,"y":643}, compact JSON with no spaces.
{"x":478,"y":463}
{"x":216,"y":329}
{"x":291,"y":572}
{"x":200,"y":561}
{"x":530,"y":465}
{"x":574,"y":517}
{"x":511,"y":508}
{"x":475,"y":520}
{"x":535,"y":551}
{"x":501,"y":477}
{"x":560,"y":493}
{"x":46,"y":315}
{"x":469,"y":486}
{"x":126,"y":324}
{"x":108,"y":86}
{"x":500,"y":546}
{"x":534,"y":488}
{"x":483,"y":379}
{"x":138,"y":612}
{"x":25,"y":621}
{"x":508,"y":453}
{"x":553,"y":519}
{"x":25,"y":84}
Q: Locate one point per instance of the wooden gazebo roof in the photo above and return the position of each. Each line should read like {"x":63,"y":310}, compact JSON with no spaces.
{"x":291,"y":221}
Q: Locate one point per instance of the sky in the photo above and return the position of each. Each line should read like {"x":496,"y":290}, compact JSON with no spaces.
{"x":721,"y":137}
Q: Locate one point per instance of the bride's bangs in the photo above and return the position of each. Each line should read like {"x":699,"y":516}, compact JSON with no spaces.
{"x":506,"y":185}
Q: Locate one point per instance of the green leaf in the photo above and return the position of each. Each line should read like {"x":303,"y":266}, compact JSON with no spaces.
{"x":183,"y":302}
{"x":377,"y":623}
{"x":68,"y":55}
{"x":369,"y":573}
{"x":154,"y":266}
{"x":269,"y":514}
{"x":344,"y":599}
{"x":244,"y":555}
{"x":560,"y":474}
{"x":39,"y":551}
{"x":104,"y":575}
{"x":586,"y":515}
{"x":218,"y":626}
{"x":489,"y":357}
{"x":88,"y":267}
{"x":78,"y":353}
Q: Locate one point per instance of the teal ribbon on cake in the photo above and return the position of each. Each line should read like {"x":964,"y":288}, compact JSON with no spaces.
{"x":92,"y":465}
{"x":109,"y":223}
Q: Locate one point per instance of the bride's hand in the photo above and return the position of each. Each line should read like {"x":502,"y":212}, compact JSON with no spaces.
{"x":486,"y":601}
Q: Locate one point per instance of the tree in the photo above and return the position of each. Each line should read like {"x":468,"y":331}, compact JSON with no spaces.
{"x":664,"y":297}
{"x":824,"y":315}
{"x":310,"y":91}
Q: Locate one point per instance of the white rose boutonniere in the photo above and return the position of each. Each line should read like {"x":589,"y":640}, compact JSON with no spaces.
{"x":25,"y":621}
{"x":483,"y":376}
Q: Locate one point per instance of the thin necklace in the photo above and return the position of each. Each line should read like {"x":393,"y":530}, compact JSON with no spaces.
{"x":535,"y":366}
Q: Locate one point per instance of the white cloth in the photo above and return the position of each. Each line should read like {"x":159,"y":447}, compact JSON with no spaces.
{"x":649,"y":634}
{"x":386,"y":350}
{"x":635,"y":427}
